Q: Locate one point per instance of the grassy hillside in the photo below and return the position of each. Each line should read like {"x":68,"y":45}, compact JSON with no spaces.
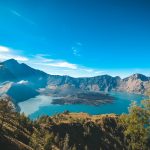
{"x":75,"y":131}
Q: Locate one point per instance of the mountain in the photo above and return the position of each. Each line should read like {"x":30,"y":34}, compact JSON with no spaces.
{"x":20,"y":78}
{"x":6,"y":74}
{"x":22,"y":71}
{"x":99,"y":83}
{"x":20,"y":81}
{"x":136,"y":83}
{"x":19,"y":91}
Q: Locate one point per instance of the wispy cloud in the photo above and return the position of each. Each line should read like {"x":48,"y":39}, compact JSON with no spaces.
{"x":16,"y":13}
{"x":75,"y":51}
{"x":79,"y":43}
{"x":63,"y":64}
{"x":8,"y":53}
{"x":62,"y":67}
{"x":76,"y":48}
{"x":43,"y":60}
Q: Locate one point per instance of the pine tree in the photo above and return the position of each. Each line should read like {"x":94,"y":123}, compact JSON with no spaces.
{"x":85,"y":148}
{"x":74,"y":147}
{"x":7,"y":111}
{"x":56,"y":139}
{"x":136,"y":126}
{"x":66,"y":142}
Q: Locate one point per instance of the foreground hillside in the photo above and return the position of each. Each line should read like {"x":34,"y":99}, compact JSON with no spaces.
{"x":75,"y":131}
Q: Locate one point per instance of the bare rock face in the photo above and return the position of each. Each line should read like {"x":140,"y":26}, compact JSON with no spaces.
{"x":100,"y":83}
{"x":136,"y":83}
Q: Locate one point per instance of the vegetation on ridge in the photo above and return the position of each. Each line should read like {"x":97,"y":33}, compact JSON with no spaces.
{"x":75,"y":131}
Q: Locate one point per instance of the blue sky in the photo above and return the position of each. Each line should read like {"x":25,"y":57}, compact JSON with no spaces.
{"x":77,"y":37}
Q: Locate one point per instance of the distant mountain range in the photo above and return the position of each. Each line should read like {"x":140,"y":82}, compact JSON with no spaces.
{"x":22,"y":82}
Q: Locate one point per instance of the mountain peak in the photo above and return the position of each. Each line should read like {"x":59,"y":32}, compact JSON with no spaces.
{"x":11,"y":61}
{"x":139,"y":76}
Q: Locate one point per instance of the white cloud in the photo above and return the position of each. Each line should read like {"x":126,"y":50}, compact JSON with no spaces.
{"x":39,"y":60}
{"x":8,"y":53}
{"x":63,"y":65}
{"x":4,"y":49}
{"x":23,"y":82}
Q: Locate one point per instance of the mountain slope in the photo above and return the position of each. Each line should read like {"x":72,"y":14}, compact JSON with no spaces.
{"x":6,"y":74}
{"x":136,"y":83}
{"x":99,"y":83}
{"x":24,"y":72}
{"x":20,"y":92}
{"x":66,"y":131}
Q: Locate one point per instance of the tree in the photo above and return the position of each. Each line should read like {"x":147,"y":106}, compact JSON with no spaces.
{"x":148,"y":93}
{"x":146,"y":104}
{"x":7,"y":111}
{"x":48,"y":141}
{"x":42,"y":139}
{"x":66,"y":112}
{"x":35,"y":141}
{"x":85,"y":148}
{"x":57,"y":138}
{"x":74,"y":147}
{"x":66,"y":142}
{"x":24,"y":121}
{"x":136,"y":126}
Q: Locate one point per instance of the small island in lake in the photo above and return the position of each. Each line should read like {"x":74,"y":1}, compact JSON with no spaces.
{"x":87,"y":98}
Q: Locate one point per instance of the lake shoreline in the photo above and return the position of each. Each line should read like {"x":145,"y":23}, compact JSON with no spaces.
{"x":42,"y":105}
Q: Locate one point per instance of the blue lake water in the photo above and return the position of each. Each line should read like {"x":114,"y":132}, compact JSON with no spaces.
{"x":41,"y":105}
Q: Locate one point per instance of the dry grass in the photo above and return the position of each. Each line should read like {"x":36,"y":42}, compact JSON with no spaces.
{"x":77,"y":117}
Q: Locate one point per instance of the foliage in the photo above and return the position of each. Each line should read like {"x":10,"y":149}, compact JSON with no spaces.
{"x":7,"y":112}
{"x":42,"y":140}
{"x":137,"y":125}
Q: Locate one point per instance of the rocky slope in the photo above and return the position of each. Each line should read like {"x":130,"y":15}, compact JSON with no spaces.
{"x":98,"y":83}
{"x":136,"y":83}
